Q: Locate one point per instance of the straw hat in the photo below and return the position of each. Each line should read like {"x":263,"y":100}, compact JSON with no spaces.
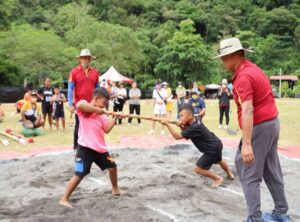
{"x":229,"y":46}
{"x":85,"y":52}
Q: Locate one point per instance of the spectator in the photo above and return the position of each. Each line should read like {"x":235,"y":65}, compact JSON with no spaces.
{"x":2,"y":114}
{"x":224,"y":103}
{"x":169,"y":105}
{"x":31,"y":113}
{"x":181,"y":94}
{"x":198,"y":105}
{"x":159,"y":96}
{"x":58,"y":100}
{"x":113,"y":93}
{"x":120,"y":100}
{"x":195,"y":87}
{"x":134,"y":101}
{"x":45,"y":93}
{"x":83,"y":80}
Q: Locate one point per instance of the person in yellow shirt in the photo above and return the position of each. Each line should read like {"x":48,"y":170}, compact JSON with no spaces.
{"x":169,"y":105}
{"x":31,"y":113}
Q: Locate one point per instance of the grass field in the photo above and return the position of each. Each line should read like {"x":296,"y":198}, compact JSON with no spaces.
{"x":289,"y":118}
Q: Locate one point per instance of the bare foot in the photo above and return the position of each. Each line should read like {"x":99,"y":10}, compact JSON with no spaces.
{"x":117,"y":192}
{"x":65,"y":203}
{"x":230,"y":176}
{"x":217,"y":182}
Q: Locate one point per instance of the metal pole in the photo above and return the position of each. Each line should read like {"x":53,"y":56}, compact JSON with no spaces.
{"x":280,"y":82}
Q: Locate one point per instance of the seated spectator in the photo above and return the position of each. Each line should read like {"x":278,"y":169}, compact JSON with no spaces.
{"x":31,"y":113}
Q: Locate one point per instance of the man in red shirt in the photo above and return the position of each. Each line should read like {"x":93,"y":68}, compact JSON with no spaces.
{"x":83,"y":80}
{"x":256,"y":157}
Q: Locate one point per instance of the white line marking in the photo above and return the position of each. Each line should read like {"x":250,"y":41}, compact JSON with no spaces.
{"x":289,"y":158}
{"x":172,"y":217}
{"x":232,"y":191}
{"x":100,"y":182}
{"x":54,"y":153}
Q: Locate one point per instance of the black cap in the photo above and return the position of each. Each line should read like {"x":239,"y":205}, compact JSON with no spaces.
{"x":101,"y":91}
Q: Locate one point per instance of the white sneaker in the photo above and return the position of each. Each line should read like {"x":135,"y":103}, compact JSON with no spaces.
{"x":151,"y":132}
{"x":226,"y":127}
{"x":220,"y":126}
{"x":163,"y":132}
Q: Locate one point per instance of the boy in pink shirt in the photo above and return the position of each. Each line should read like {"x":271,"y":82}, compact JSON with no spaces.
{"x":91,"y":143}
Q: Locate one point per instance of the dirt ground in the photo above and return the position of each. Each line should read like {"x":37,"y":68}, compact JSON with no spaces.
{"x":160,"y":184}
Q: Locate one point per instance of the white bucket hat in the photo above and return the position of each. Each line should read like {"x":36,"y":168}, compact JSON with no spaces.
{"x":224,"y":81}
{"x":164,"y":83}
{"x":85,"y":52}
{"x":231,"y":45}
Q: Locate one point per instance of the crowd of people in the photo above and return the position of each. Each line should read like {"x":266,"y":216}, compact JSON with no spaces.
{"x":34,"y":114}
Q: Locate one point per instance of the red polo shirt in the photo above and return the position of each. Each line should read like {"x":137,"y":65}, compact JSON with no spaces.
{"x":85,"y":83}
{"x":251,"y":83}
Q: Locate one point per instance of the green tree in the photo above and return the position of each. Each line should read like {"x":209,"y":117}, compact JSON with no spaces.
{"x":37,"y":53}
{"x":185,"y":57}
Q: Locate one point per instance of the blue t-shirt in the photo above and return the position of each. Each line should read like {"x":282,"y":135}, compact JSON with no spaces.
{"x":197,"y":105}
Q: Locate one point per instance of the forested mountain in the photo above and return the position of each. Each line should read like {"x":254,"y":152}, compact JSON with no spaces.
{"x":144,"y":39}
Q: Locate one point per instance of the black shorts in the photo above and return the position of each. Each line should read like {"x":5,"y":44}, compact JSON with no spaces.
{"x":59,"y":114}
{"x":86,"y":156}
{"x":46,"y":108}
{"x":207,"y":160}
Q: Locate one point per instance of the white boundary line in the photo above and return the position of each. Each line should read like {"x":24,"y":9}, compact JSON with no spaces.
{"x":100,"y":182}
{"x":289,"y":158}
{"x":172,"y":217}
{"x":231,"y":191}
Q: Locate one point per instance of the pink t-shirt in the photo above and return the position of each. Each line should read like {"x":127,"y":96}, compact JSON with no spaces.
{"x":91,"y":131}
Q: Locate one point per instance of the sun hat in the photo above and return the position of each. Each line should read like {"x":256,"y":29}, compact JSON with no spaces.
{"x":164,"y":83}
{"x":85,"y":52}
{"x":195,"y":91}
{"x":224,"y":81}
{"x":229,"y":46}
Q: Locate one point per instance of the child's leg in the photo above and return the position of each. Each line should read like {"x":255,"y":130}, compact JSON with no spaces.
{"x":207,"y":173}
{"x":38,"y":123}
{"x":63,"y":122}
{"x":50,"y":120}
{"x":113,"y":176}
{"x":44,"y":117}
{"x":225,"y":167}
{"x":57,"y":123}
{"x":204,"y":164}
{"x":73,"y":183}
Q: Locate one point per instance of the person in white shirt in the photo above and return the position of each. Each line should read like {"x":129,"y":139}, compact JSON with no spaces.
{"x":159,"y":96}
{"x":120,"y":100}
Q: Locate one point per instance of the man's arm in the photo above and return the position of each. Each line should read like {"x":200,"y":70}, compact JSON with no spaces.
{"x":247,"y":127}
{"x":71,"y":86}
{"x":85,"y":107}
